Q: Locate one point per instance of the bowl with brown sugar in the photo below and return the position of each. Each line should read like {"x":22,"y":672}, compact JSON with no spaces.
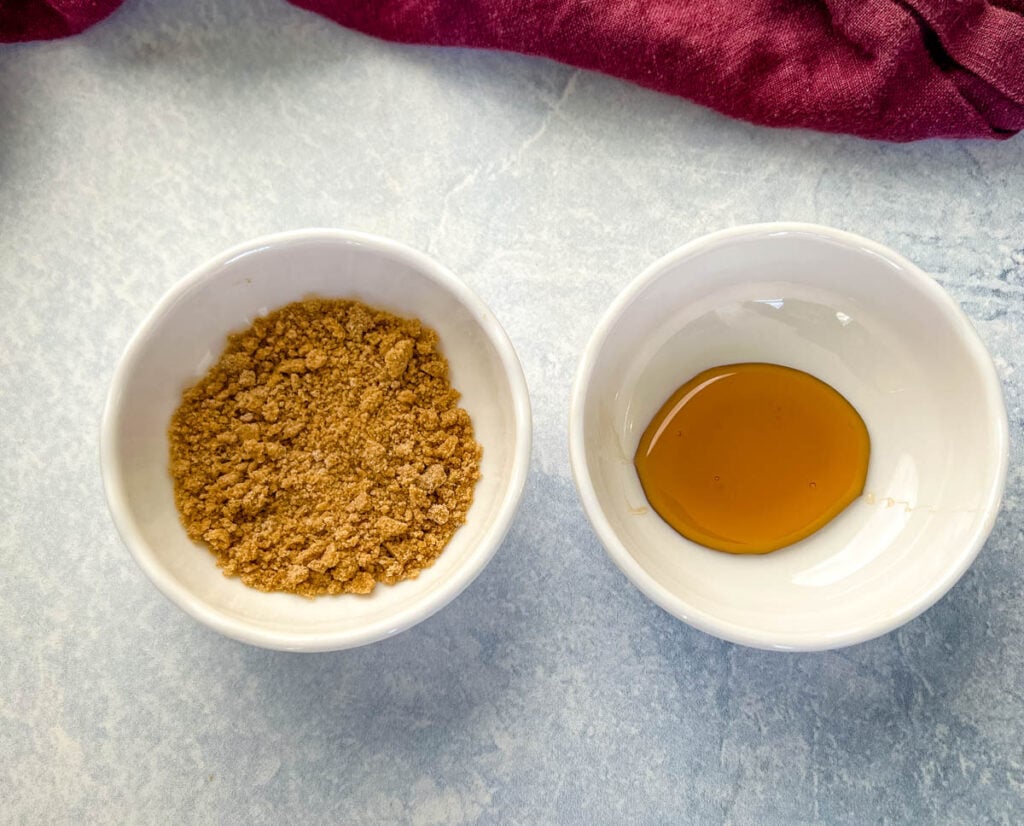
{"x":316,"y":440}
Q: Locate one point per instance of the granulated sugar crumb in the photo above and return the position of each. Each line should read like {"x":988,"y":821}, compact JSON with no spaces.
{"x":325,"y":451}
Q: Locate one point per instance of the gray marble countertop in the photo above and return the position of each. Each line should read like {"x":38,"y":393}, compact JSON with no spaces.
{"x":551,"y":691}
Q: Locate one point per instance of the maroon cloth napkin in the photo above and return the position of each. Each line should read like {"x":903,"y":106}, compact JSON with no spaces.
{"x":22,"y":20}
{"x":895,"y":70}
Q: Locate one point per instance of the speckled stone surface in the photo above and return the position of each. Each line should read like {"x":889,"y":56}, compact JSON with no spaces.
{"x":551,"y":691}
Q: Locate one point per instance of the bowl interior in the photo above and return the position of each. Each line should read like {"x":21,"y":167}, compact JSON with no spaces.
{"x":188,"y":333}
{"x":879,"y":332}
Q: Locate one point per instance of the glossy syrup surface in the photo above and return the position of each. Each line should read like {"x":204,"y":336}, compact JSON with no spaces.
{"x":749,"y":458}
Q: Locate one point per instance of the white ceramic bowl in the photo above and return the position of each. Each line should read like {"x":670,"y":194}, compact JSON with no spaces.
{"x":878,"y":330}
{"x":186,"y":333}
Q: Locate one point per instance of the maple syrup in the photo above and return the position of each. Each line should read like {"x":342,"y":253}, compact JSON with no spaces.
{"x":750,"y":458}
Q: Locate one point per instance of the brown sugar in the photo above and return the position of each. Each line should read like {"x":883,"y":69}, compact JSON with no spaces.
{"x":325,"y":451}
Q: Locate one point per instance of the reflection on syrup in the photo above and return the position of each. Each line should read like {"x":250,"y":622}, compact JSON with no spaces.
{"x":749,"y":458}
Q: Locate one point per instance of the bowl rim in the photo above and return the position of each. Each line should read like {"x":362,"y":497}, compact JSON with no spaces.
{"x":230,"y":626}
{"x":735,"y":632}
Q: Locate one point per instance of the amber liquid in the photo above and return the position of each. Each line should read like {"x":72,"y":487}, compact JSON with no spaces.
{"x":749,"y":458}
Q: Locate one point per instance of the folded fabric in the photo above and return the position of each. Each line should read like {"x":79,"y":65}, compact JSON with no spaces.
{"x":888,"y":69}
{"x":22,"y":20}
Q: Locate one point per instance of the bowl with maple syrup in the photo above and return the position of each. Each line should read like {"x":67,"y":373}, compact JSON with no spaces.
{"x":789,"y":436}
